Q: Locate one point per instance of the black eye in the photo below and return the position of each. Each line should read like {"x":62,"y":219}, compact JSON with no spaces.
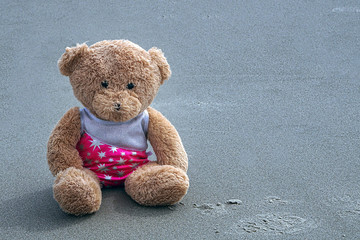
{"x":104,"y":84}
{"x":130,"y":86}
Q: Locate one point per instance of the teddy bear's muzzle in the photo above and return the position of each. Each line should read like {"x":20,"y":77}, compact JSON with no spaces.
{"x":117,"y":106}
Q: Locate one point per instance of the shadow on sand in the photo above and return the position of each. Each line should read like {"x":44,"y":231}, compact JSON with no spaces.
{"x":35,"y":212}
{"x":38,"y":211}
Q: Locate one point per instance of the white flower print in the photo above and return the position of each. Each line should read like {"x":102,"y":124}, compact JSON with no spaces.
{"x":113,"y":149}
{"x":95,"y":143}
{"x":101,"y":154}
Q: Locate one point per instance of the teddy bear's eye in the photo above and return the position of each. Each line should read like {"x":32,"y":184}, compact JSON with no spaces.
{"x":130,"y":86}
{"x":105,"y":84}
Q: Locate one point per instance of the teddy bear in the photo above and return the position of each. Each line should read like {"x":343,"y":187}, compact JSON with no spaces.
{"x":104,"y":143}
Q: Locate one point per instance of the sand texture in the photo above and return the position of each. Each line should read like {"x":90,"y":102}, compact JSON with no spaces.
{"x":264,"y":94}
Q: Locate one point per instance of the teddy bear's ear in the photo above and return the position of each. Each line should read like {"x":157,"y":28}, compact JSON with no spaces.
{"x":158,"y":57}
{"x":70,"y":58}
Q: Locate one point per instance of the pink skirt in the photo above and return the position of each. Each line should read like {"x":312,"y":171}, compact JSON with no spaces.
{"x":111,"y":164}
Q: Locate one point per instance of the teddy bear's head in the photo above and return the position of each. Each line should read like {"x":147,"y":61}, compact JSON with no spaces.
{"x":115,"y":80}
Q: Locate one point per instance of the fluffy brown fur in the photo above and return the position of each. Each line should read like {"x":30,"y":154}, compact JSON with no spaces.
{"x":62,"y":152}
{"x":116,"y":80}
{"x":165,"y":141}
{"x":156,"y":185}
{"x":77,"y":191}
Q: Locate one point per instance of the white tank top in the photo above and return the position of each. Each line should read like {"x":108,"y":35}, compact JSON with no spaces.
{"x":131,"y":134}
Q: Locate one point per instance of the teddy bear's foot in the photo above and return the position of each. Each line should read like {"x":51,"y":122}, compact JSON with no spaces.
{"x":157,"y":185}
{"x":77,"y":191}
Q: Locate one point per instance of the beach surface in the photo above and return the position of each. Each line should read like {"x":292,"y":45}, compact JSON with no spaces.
{"x":264,"y":94}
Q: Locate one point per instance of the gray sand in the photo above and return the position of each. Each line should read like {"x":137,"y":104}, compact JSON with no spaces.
{"x":265,"y":96}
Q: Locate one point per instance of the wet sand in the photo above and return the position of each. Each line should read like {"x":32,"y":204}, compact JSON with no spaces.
{"x":265,"y":96}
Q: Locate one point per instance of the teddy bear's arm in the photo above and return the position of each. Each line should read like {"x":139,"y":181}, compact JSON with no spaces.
{"x":62,"y":152}
{"x":166,"y":141}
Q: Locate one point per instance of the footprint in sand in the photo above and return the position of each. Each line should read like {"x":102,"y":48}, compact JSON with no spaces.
{"x":275,"y":200}
{"x":345,"y":205}
{"x":218,"y":208}
{"x":275,"y":223}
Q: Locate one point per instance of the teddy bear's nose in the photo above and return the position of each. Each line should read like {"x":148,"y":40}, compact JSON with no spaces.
{"x":117,"y":106}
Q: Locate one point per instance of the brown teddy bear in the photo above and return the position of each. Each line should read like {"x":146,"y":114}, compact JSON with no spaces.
{"x":104,"y":143}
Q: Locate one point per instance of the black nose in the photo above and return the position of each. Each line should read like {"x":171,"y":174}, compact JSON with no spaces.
{"x":117,"y":106}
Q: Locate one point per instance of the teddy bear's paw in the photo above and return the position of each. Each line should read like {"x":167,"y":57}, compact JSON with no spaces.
{"x":77,"y":191}
{"x":157,"y":185}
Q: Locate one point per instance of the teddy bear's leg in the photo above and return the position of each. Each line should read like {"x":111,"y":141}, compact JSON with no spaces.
{"x":157,"y":185}
{"x":77,"y":191}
